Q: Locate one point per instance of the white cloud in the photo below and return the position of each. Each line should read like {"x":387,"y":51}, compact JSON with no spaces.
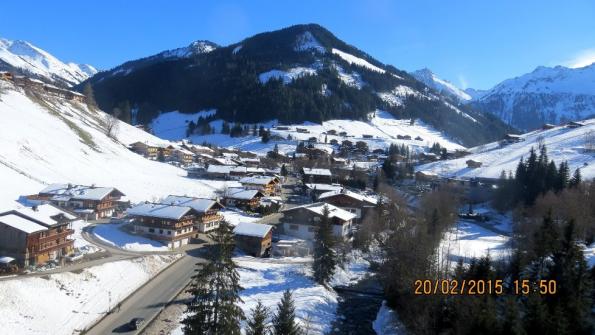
{"x":582,"y":59}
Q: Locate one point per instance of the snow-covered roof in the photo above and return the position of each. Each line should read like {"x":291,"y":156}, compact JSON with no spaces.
{"x":80,"y":192}
{"x":317,"y":172}
{"x":241,"y":194}
{"x":252,"y":229}
{"x":200,"y":205}
{"x":43,"y":214}
{"x":347,"y":193}
{"x":257,"y":180}
{"x":17,"y":222}
{"x":160,"y":211}
{"x":223,"y":169}
{"x":334,"y":211}
{"x":324,"y":187}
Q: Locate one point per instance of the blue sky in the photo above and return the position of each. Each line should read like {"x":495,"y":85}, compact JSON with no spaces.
{"x":471,"y":43}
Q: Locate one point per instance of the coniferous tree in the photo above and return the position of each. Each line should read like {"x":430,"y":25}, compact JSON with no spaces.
{"x":215,"y":290}
{"x":576,"y":179}
{"x":258,"y":322}
{"x":284,"y":321}
{"x":324,"y":255}
{"x":563,"y":176}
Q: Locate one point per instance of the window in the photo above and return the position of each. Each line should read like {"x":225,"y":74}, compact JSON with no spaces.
{"x":160,"y":231}
{"x":151,"y":230}
{"x":294,"y":227}
{"x":311,"y":229}
{"x":316,"y":219}
{"x":169,"y":232}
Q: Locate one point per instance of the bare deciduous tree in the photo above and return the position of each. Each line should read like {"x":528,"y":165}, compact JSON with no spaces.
{"x":112,"y":123}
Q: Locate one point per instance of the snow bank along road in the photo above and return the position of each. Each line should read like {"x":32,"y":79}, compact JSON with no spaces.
{"x":151,"y":298}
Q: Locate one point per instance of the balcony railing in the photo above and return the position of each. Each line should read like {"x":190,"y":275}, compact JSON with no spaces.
{"x":211,"y":218}
{"x":53,"y":236}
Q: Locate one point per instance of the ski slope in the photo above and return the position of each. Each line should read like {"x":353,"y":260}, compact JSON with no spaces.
{"x":563,"y":144}
{"x":50,"y":140}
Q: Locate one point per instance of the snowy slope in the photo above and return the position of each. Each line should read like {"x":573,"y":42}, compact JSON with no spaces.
{"x":66,"y":303}
{"x":51,"y":141}
{"x":563,"y":144}
{"x":427,"y":77}
{"x":381,"y":125}
{"x":25,"y":56}
{"x":547,"y":94}
{"x":351,"y":59}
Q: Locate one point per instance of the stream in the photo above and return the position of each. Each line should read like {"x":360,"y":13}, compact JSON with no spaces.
{"x":358,"y":306}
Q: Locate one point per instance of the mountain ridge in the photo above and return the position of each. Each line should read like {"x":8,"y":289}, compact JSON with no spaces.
{"x":25,"y":58}
{"x":295,"y":74}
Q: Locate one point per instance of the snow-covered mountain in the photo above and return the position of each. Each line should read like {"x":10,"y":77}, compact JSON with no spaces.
{"x":50,"y":140}
{"x":296,"y":74}
{"x":24,"y":57}
{"x":574,"y":145}
{"x":546,"y":95}
{"x":429,"y":78}
{"x":195,"y":48}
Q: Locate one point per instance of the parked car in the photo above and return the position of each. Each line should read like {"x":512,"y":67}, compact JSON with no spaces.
{"x":74,"y":257}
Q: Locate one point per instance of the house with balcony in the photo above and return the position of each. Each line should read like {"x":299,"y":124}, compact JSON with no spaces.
{"x":267,"y":185}
{"x":88,"y":202}
{"x":36,"y":235}
{"x":350,"y":201}
{"x":242,"y":198}
{"x":207,"y":211}
{"x":302,"y":221}
{"x":172,"y":225}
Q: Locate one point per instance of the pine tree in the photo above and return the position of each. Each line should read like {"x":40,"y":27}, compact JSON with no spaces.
{"x":258,"y":322}
{"x":576,"y":179}
{"x":563,"y":176}
{"x":283,"y":170}
{"x":284,"y":321}
{"x":324,"y":255}
{"x":215,"y":290}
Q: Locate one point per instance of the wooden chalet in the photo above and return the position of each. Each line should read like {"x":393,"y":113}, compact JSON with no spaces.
{"x":265,"y":184}
{"x":36,"y":235}
{"x":145,"y":149}
{"x":302,"y":221}
{"x":172,"y":225}
{"x":243,"y":199}
{"x":352,"y":202}
{"x":88,"y":202}
{"x":207,"y":218}
{"x":255,"y":239}
{"x":182,"y":156}
{"x":313,"y":175}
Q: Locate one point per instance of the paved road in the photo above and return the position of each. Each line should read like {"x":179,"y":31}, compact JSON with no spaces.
{"x":149,"y":300}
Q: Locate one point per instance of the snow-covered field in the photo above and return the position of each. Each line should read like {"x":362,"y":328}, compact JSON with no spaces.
{"x":382,"y":126}
{"x":469,"y":240}
{"x":57,"y":141}
{"x":114,"y":235}
{"x":563,"y":144}
{"x":65,"y":302}
{"x":80,"y":243}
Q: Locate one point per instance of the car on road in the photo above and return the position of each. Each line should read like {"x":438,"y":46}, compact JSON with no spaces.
{"x":136,"y":323}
